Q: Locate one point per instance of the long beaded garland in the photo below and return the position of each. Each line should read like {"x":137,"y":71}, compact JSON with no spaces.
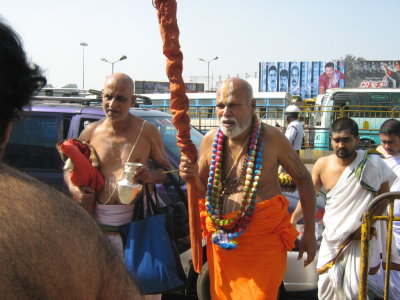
{"x":229,"y":229}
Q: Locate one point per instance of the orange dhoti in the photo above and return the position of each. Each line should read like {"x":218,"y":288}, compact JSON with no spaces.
{"x":255,"y":269}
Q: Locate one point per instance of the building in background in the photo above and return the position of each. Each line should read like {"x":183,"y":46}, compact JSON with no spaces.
{"x":155,"y":87}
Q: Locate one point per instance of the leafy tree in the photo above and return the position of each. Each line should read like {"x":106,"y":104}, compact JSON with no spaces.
{"x":350,"y":61}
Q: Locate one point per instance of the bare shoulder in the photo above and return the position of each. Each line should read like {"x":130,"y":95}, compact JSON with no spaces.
{"x":147,"y":126}
{"x":137,"y":123}
{"x":323,"y":162}
{"x":272,"y":132}
{"x":381,"y":150}
{"x":89,"y":130}
{"x":206,"y":144}
{"x":209,"y":136}
{"x":149,"y":131}
{"x":274,"y":139}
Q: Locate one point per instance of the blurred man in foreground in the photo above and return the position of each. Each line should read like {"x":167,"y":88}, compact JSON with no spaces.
{"x":49,"y":247}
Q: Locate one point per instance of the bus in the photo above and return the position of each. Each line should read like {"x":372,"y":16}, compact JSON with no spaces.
{"x":270,"y":107}
{"x":368,"y":107}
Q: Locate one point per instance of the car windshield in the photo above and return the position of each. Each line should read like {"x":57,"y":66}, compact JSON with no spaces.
{"x":168,"y":134}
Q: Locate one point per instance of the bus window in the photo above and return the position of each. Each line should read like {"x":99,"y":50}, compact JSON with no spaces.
{"x":396,"y":100}
{"x":379,"y":100}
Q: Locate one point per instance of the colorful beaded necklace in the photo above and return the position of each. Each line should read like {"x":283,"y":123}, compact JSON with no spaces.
{"x":229,"y":229}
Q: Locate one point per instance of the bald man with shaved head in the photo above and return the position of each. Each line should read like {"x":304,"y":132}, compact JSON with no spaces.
{"x":246,"y":220}
{"x":119,"y":138}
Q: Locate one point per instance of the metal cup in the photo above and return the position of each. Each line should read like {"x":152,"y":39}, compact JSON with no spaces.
{"x":127,"y":190}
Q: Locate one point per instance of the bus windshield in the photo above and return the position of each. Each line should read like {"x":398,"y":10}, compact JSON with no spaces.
{"x":368,"y":107}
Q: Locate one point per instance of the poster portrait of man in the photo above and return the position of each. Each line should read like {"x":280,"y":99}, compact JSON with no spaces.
{"x":272,"y":78}
{"x":283,"y":80}
{"x":331,"y":78}
{"x":294,"y":78}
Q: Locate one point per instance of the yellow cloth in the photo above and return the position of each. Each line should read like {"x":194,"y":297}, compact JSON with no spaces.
{"x":255,"y":269}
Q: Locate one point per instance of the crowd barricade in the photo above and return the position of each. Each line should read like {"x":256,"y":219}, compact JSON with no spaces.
{"x":316,"y":120}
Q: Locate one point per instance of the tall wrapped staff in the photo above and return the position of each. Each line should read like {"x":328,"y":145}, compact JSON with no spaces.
{"x":166,"y":11}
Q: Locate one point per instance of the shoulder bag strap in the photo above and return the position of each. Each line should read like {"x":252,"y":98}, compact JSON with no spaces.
{"x":151,"y":206}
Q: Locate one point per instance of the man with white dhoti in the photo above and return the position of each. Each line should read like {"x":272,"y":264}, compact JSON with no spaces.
{"x":390,"y":148}
{"x":352,"y":178}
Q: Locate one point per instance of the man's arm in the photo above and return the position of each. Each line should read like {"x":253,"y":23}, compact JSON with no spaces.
{"x":316,"y":178}
{"x":379,"y":210}
{"x":83,"y":195}
{"x":157,"y":155}
{"x":388,"y":71}
{"x":198,"y":171}
{"x":321,"y":84}
{"x":290,"y":160}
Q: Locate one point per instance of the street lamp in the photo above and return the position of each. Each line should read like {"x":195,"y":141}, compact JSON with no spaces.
{"x":208,"y":69}
{"x":83,"y":44}
{"x":113,"y":62}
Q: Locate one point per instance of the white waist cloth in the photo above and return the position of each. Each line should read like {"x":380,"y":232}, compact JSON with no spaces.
{"x":113,"y":215}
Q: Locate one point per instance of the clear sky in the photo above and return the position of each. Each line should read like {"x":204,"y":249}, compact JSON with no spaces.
{"x":240,"y":32}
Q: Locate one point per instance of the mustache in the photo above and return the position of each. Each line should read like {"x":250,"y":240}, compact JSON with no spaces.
{"x":230,"y":119}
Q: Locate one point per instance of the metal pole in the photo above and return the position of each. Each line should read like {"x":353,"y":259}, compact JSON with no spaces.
{"x":113,"y":62}
{"x":208,"y":69}
{"x":208,"y":75}
{"x":83,"y":68}
{"x":83,"y":44}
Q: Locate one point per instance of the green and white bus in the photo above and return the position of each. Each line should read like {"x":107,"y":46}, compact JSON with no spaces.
{"x":368,"y":107}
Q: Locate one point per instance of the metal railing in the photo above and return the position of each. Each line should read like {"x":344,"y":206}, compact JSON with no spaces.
{"x":367,"y":220}
{"x":369,"y":119}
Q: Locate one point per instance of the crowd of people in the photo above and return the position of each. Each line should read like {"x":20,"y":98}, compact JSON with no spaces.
{"x":244,"y":215}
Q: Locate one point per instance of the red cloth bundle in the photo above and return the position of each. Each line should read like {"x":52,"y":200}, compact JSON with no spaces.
{"x":84,"y":158}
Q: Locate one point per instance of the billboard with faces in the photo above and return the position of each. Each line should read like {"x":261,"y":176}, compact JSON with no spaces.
{"x":301,"y":78}
{"x":373,"y":74}
{"x":309,"y":79}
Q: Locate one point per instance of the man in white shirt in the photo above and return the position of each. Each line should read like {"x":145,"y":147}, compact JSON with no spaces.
{"x":390,"y":148}
{"x":295,"y":131}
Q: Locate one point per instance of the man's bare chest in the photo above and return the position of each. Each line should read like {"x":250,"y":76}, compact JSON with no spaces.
{"x":331,"y":176}
{"x":114,"y":151}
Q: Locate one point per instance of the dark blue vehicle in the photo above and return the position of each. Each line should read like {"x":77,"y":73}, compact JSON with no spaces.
{"x":32,"y":143}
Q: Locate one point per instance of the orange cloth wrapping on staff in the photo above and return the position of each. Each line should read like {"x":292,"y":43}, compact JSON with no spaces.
{"x":166,"y":12}
{"x":84,"y":173}
{"x":255,"y":269}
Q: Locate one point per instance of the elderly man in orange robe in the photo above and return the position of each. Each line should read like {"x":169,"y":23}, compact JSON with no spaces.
{"x":245,"y":216}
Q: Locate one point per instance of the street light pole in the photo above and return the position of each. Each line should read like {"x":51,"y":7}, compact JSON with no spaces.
{"x":208,"y":69}
{"x":113,"y":62}
{"x":83,"y":44}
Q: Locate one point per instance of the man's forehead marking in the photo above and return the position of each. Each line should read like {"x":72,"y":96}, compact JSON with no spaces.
{"x":227,"y":92}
